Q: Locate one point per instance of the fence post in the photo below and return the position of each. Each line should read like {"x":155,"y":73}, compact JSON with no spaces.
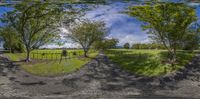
{"x":56,"y":55}
{"x":46,"y":55}
{"x":37,"y":55}
{"x":68,"y":54}
{"x":33,"y":55}
{"x":51,"y":56}
{"x":60,"y":58}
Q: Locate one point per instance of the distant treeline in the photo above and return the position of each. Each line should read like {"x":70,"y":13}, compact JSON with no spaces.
{"x":158,"y":46}
{"x":147,"y":46}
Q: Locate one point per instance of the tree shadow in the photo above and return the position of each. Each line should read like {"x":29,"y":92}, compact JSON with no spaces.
{"x":183,"y":57}
{"x":140,"y":63}
{"x":114,"y":78}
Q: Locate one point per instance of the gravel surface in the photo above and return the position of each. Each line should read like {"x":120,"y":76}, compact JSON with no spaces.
{"x":100,"y":78}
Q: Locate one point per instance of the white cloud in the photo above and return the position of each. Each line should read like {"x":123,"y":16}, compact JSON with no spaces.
{"x":122,"y":26}
{"x":66,"y":45}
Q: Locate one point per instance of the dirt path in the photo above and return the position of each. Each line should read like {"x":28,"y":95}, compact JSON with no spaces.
{"x":99,"y":79}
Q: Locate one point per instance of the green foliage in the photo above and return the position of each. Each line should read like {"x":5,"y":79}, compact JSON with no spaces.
{"x":86,"y":33}
{"x":148,"y":46}
{"x":34,"y":22}
{"x":126,"y":45}
{"x":105,"y":44}
{"x":166,"y":22}
{"x":191,"y":41}
{"x":11,"y":40}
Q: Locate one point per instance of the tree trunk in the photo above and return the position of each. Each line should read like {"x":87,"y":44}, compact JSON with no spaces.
{"x":85,"y":53}
{"x":28,"y":55}
{"x":173,"y":58}
{"x":10,"y":50}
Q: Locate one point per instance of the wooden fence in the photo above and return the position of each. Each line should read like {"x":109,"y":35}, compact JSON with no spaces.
{"x":55,"y":56}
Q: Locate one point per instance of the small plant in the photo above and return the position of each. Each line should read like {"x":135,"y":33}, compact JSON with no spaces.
{"x":74,"y":53}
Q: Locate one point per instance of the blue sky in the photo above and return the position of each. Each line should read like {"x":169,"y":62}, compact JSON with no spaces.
{"x":3,"y":10}
{"x":122,"y":26}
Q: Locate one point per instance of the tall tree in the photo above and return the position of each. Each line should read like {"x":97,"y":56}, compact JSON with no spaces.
{"x":126,"y":45}
{"x":166,"y":22}
{"x":33,"y":22}
{"x":86,"y":33}
{"x":191,"y":41}
{"x":192,"y":38}
{"x":106,"y":44}
{"x":11,"y":39}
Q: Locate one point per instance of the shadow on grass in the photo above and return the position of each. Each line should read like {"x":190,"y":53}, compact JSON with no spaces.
{"x":113,"y":78}
{"x":148,"y":63}
{"x":183,"y":57}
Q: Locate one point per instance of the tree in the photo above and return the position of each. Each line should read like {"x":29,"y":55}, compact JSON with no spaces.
{"x":147,"y":46}
{"x":110,"y":43}
{"x":191,"y":41}
{"x":34,"y":22}
{"x":105,"y":44}
{"x":166,"y":22}
{"x":11,"y":40}
{"x":126,"y":45}
{"x":86,"y":33}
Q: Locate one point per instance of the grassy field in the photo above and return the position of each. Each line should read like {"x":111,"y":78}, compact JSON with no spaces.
{"x":47,"y":66}
{"x":148,"y":62}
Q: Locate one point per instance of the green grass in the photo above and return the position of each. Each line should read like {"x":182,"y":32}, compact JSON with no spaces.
{"x":148,"y":62}
{"x":16,"y":56}
{"x":51,"y":67}
{"x":44,"y":54}
{"x":142,"y":62}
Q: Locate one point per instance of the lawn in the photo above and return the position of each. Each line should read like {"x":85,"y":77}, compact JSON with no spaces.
{"x":47,"y":66}
{"x":148,"y":62}
{"x":44,"y":54}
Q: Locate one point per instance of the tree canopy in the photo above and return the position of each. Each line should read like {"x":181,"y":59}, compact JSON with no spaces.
{"x":34,"y":22}
{"x":166,"y":22}
{"x":11,"y":40}
{"x":86,"y":33}
{"x":126,"y":45}
{"x":105,"y":44}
